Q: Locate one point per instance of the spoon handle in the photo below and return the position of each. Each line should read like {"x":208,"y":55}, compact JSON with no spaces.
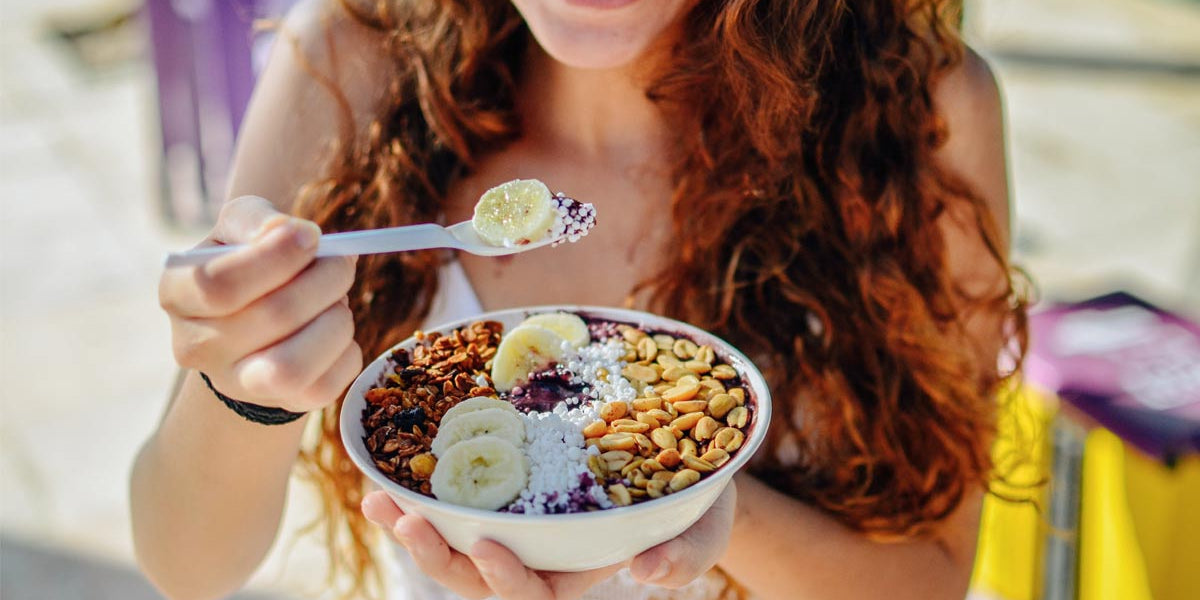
{"x":369,"y":241}
{"x":392,"y":239}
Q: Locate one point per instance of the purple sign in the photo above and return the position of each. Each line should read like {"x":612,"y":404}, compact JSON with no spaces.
{"x":1129,"y":365}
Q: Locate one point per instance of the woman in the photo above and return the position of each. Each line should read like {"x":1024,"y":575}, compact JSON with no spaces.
{"x":820,"y":182}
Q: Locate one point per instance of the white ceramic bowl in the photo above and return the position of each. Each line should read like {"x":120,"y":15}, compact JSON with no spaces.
{"x":579,"y":541}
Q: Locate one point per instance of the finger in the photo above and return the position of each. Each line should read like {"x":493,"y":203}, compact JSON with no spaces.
{"x":333,"y":383}
{"x":228,"y":283}
{"x":381,"y":510}
{"x":678,"y":561}
{"x":506,"y":575}
{"x":436,"y":559}
{"x":573,"y":585}
{"x":202,"y":342}
{"x":245,"y":218}
{"x":273,"y":317}
{"x":289,"y":367}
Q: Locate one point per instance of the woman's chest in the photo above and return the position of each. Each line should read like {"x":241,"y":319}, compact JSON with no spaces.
{"x":626,"y":247}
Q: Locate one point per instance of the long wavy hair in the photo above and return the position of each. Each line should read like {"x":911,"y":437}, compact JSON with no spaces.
{"x":805,"y":208}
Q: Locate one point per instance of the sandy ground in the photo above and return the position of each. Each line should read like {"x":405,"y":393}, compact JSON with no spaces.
{"x":1103,"y":100}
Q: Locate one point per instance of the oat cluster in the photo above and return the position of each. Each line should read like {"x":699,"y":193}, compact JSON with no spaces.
{"x":402,"y":414}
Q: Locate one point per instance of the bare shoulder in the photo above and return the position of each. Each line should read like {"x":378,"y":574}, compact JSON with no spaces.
{"x":330,"y":43}
{"x":968,"y":99}
{"x":325,"y":78}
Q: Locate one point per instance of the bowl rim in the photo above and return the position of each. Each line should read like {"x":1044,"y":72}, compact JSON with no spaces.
{"x":762,"y":417}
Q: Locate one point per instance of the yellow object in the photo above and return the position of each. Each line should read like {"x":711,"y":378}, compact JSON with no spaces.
{"x":1110,"y":561}
{"x":1009,"y":557}
{"x":1158,"y":523}
{"x":1139,"y":522}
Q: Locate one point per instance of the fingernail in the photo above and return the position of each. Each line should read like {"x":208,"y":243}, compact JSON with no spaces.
{"x":403,"y":539}
{"x":307,"y":233}
{"x":660,"y":572}
{"x":272,"y":224}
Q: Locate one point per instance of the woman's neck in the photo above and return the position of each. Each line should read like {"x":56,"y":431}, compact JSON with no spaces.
{"x":601,"y":116}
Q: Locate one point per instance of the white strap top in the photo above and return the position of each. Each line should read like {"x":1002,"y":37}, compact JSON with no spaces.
{"x":456,"y":299}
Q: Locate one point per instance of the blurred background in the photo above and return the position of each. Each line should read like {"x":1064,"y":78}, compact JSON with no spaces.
{"x":117,"y":117}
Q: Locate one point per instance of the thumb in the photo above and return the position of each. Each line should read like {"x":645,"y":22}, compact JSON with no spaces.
{"x":247,"y":218}
{"x":676,"y":562}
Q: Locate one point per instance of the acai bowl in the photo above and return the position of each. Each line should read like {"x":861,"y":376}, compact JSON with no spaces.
{"x":575,"y":436}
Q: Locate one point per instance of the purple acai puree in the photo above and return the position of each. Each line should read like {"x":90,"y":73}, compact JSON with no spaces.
{"x":575,"y":219}
{"x":546,"y":388}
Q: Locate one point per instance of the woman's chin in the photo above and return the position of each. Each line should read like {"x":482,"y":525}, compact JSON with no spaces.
{"x":591,"y":56}
{"x":599,"y":39}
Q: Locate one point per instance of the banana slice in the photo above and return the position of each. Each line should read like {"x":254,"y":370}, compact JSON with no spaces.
{"x":495,"y":422}
{"x":569,"y":326}
{"x":524,"y":349}
{"x":515,"y":213}
{"x":486,"y":472}
{"x":474,"y":404}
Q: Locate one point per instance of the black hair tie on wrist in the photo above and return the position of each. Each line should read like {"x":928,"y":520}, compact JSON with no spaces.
{"x":255,"y":413}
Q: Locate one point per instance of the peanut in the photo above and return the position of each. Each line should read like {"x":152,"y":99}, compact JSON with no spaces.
{"x":724,"y":372}
{"x":643,"y":443}
{"x":687,"y":421}
{"x":690,"y":406}
{"x":648,"y":403}
{"x":684,"y":349}
{"x":669,"y":458}
{"x":738,"y":394}
{"x":647,"y":350}
{"x":716,"y":456}
{"x":720,"y":405}
{"x":640,"y":373}
{"x":682,"y":391}
{"x":704,"y":430}
{"x":631,"y":334}
{"x":674,"y":373}
{"x":617,"y":441}
{"x":698,"y":464}
{"x":629,"y":426}
{"x":612,"y":411}
{"x":738,"y":417}
{"x":595,"y":429}
{"x":663,"y":438}
{"x":684,"y":479}
{"x":619,"y":495}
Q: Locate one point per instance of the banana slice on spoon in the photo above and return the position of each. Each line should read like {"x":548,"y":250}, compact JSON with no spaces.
{"x":523,"y":211}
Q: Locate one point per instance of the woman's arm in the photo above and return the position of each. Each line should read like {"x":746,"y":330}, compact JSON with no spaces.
{"x":783,"y":549}
{"x":268,"y":324}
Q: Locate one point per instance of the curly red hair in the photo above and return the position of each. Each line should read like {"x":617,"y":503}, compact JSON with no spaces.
{"x":806,"y":204}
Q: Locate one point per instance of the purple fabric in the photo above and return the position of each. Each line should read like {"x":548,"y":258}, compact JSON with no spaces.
{"x":203,"y":61}
{"x":1129,"y":365}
